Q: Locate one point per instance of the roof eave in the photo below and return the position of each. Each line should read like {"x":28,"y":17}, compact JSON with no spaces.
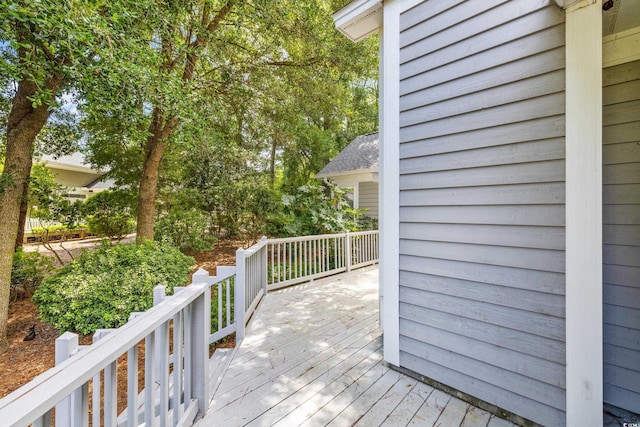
{"x":52,"y":164}
{"x":321,"y":174}
{"x":359,"y":19}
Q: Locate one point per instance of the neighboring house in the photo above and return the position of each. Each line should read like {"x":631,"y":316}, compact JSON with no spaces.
{"x":78,"y":176}
{"x":356,"y":167}
{"x":73,"y":172}
{"x":510,"y":199}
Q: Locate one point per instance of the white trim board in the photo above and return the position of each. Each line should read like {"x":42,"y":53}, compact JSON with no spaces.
{"x":583,"y":297}
{"x":389,"y":190}
{"x":621,"y":48}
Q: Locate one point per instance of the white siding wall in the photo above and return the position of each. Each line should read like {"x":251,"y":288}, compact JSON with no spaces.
{"x":368,"y":198}
{"x":482,"y":201}
{"x":621,"y":235}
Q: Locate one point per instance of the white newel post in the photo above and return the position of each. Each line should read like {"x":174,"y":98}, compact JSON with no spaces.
{"x":72,"y":411}
{"x":200,"y":276}
{"x":238,"y":296}
{"x":199,"y":351}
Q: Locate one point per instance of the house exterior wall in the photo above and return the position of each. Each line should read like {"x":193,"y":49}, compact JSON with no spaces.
{"x":621,"y":235}
{"x":482,"y":201}
{"x":368,"y":198}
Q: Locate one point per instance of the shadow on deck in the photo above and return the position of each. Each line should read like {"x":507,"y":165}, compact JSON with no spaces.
{"x":313,"y":356}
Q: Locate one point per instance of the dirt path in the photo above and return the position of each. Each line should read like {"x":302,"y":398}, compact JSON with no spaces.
{"x":69,"y":250}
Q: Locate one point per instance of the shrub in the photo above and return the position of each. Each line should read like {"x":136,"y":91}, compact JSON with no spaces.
{"x":110,"y":213}
{"x":318,"y":209}
{"x":185,"y":229}
{"x":102,"y":287}
{"x":28,"y":271}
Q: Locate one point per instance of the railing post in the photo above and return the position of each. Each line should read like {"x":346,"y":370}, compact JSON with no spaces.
{"x":72,"y":410}
{"x":159,"y":294}
{"x":200,"y":276}
{"x":238,"y":295}
{"x":348,"y":252}
{"x":199,"y":351}
{"x":263,"y":263}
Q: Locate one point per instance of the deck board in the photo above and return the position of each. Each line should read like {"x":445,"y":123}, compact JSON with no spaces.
{"x":312,"y":356}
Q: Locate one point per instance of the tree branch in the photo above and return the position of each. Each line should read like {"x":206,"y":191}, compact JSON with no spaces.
{"x":198,"y":43}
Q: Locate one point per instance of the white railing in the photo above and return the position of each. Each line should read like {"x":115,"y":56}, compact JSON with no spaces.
{"x":223,"y":297}
{"x":300,"y":259}
{"x":67,"y":384}
{"x":251,"y":281}
{"x":176,"y":377}
{"x":363,"y":247}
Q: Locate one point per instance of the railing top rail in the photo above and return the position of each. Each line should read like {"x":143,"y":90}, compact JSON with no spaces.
{"x":303,"y":238}
{"x":256,"y":247}
{"x":320,"y":236}
{"x":364,"y":233}
{"x":223,"y":272}
{"x":35,"y":398}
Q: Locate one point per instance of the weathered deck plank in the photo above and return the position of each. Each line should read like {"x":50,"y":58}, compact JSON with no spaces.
{"x":312,"y":356}
{"x":431,"y":409}
{"x":280,"y":364}
{"x":475,"y":417}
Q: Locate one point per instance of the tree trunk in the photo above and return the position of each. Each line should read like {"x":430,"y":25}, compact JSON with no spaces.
{"x":155,"y":146}
{"x":272,"y":162}
{"x":24,"y":206}
{"x":23,"y":125}
{"x":162,"y":127}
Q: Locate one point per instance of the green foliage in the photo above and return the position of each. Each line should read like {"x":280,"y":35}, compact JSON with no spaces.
{"x":110,"y":213}
{"x":233,"y":198}
{"x":273,"y":91}
{"x":47,"y":201}
{"x":318,"y":209}
{"x":186,"y":229}
{"x":28,"y":271}
{"x":102,"y":287}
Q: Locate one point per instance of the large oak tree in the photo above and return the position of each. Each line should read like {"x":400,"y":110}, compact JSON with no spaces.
{"x":256,"y":68}
{"x":46,"y":47}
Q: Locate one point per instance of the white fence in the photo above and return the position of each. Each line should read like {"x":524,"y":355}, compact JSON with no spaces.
{"x":175,"y":335}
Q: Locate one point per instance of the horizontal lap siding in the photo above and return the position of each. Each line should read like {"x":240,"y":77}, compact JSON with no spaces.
{"x":621,"y":235}
{"x":482,"y":196}
{"x":368,"y":198}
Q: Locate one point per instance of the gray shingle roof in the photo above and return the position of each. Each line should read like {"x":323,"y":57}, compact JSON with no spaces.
{"x":360,"y":155}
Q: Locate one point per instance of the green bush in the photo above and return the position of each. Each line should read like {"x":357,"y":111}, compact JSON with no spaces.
{"x":102,"y":287}
{"x":318,"y":209}
{"x":185,"y":229}
{"x":28,"y":271}
{"x":110,"y":213}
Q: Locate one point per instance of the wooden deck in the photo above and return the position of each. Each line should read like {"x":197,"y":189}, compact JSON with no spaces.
{"x":312,"y":356}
